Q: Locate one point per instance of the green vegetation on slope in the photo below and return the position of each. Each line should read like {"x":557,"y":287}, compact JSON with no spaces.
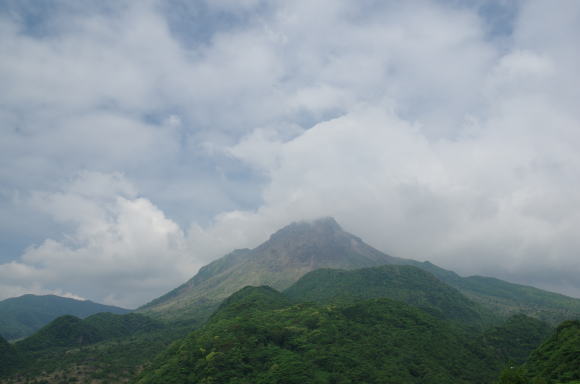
{"x":345,"y":327}
{"x":403,"y":283}
{"x":111,"y":326}
{"x":66,"y":331}
{"x":250,"y":299}
{"x":506,"y":299}
{"x":558,"y":359}
{"x":104,"y":346}
{"x":9,"y":359}
{"x":70,"y":331}
{"x":111,"y":361}
{"x":22,"y":316}
{"x":372,"y":341}
{"x":516,"y":338}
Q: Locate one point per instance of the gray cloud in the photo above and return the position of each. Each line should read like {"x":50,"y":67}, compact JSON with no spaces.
{"x":432,"y":129}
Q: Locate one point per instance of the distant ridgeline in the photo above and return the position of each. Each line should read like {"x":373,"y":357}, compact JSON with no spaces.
{"x":314,"y":304}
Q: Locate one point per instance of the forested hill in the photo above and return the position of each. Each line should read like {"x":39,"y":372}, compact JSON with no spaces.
{"x":259,"y":335}
{"x":103,"y":348}
{"x":403,"y":283}
{"x":22,"y":316}
{"x":70,"y":331}
{"x":370,"y":341}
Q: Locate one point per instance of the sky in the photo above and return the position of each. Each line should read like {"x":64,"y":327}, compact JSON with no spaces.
{"x":140,"y":140}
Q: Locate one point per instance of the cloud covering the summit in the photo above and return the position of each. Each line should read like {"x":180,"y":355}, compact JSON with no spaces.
{"x":141,"y":140}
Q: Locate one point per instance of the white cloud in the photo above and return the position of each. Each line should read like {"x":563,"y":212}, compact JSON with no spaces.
{"x":123,"y":250}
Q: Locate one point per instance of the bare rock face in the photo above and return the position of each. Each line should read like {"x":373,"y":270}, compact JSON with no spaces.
{"x":289,"y":254}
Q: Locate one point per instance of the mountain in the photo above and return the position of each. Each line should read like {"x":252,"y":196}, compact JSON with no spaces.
{"x":21,"y":316}
{"x":256,"y":336}
{"x":303,"y":247}
{"x":289,"y":254}
{"x":403,"y":283}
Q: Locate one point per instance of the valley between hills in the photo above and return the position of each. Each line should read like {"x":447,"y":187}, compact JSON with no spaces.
{"x":313,"y":304}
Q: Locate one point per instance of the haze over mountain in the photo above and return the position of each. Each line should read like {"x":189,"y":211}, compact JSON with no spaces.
{"x":305,"y":246}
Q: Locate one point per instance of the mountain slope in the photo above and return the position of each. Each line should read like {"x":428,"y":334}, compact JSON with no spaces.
{"x":22,"y":316}
{"x":372,"y":341}
{"x":289,"y":254}
{"x":404,"y":283}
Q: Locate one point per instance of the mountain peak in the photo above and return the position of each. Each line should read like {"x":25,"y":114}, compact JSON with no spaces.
{"x":323,"y":225}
